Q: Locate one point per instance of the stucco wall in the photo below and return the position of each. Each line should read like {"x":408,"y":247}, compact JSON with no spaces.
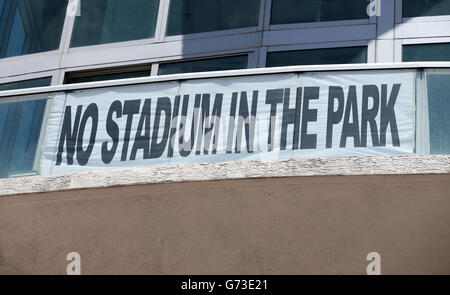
{"x":293,"y":225}
{"x":382,"y":165}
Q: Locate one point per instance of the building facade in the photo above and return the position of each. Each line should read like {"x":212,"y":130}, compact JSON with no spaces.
{"x":113,"y":39}
{"x":96,"y":161}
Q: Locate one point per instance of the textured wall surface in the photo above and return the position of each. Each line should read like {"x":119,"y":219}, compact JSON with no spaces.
{"x":414,"y":164}
{"x":293,"y":225}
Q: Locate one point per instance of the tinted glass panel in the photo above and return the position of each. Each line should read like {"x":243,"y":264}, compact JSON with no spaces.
{"x":30,"y":26}
{"x":427,"y":52}
{"x":302,"y":11}
{"x":107,"y":21}
{"x":105,"y":77}
{"x":196,"y":16}
{"x":317,"y":56}
{"x":20,"y":126}
{"x":41,"y":82}
{"x":412,"y":8}
{"x":204,"y":65}
{"x":438,"y":111}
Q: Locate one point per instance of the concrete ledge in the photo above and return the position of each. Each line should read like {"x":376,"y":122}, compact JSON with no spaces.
{"x":392,"y":165}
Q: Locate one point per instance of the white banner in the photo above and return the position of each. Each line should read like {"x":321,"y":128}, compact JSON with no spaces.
{"x":228,"y":119}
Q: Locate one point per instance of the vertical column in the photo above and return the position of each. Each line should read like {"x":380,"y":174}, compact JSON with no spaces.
{"x":384,"y":44}
{"x":266,"y":11}
{"x":161,"y":23}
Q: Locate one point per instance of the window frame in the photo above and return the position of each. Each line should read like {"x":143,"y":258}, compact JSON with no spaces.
{"x":257,"y":28}
{"x":328,"y":45}
{"x":55,"y":52}
{"x":54,"y":81}
{"x":417,"y":41}
{"x":23,"y":98}
{"x":106,"y":71}
{"x":32,"y":76}
{"x":270,"y":27}
{"x":254,"y":40}
{"x":202,"y":57}
{"x":422,"y":134}
{"x":400,"y":19}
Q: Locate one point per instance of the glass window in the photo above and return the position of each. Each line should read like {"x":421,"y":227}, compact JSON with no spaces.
{"x":303,"y":11}
{"x":438,"y":85}
{"x":107,"y":21}
{"x":197,"y":16}
{"x":413,"y":8}
{"x":317,"y":56}
{"x":20,"y":126}
{"x":30,"y":26}
{"x":41,"y":82}
{"x":204,"y":65}
{"x":83,"y":78}
{"x":426,"y":52}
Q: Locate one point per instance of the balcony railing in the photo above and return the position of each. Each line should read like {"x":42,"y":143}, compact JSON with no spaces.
{"x":255,"y":114}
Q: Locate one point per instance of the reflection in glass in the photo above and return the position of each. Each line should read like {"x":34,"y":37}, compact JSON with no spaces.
{"x":413,"y":8}
{"x":344,"y":55}
{"x":108,"y":21}
{"x":426,"y":52}
{"x":30,"y":26}
{"x":197,"y":16}
{"x":438,"y":111}
{"x":303,"y":11}
{"x":20,"y":126}
{"x":204,"y":65}
{"x":41,"y":82}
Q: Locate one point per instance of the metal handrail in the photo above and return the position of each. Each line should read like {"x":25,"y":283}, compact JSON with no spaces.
{"x":223,"y":74}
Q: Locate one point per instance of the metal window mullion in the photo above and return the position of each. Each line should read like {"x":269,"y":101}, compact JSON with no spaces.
{"x":267,"y":14}
{"x":35,"y":132}
{"x":154,"y":70}
{"x":42,"y":135}
{"x":161,"y":24}
{"x":262,"y":56}
{"x":67,"y":32}
{"x":252,"y":59}
{"x":398,"y":11}
{"x":422,"y":134}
